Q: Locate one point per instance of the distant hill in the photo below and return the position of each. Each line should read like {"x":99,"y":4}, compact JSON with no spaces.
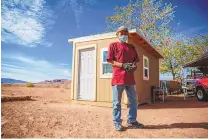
{"x":54,"y":81}
{"x":9,"y":80}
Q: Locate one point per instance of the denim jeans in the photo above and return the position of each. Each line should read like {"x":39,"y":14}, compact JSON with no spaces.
{"x":117,"y":96}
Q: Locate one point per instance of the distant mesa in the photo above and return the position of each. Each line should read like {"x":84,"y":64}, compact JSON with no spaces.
{"x":55,"y":81}
{"x":9,"y":80}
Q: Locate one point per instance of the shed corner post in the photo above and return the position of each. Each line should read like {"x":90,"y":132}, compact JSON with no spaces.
{"x":73,"y":72}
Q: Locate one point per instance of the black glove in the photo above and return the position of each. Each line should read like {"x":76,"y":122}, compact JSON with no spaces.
{"x":129,"y":67}
{"x":133,"y":66}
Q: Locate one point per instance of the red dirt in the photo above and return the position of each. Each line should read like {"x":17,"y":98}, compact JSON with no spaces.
{"x":52,"y":114}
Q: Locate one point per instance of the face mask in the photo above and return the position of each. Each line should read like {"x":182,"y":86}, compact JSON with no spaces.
{"x":123,"y":38}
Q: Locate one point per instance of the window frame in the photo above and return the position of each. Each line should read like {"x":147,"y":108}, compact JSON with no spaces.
{"x":107,"y":75}
{"x":145,"y":58}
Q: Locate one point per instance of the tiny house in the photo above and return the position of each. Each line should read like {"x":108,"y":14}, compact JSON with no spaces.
{"x":91,"y":74}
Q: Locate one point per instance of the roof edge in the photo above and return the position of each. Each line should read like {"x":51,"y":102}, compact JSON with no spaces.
{"x":96,"y":37}
{"x":200,"y":58}
{"x":149,"y":44}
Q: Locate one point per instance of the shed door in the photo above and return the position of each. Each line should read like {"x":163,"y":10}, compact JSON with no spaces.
{"x":86,"y":74}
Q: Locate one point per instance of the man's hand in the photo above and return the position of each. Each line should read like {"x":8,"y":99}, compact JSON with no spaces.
{"x":126,"y":66}
{"x":134,"y":67}
{"x":129,"y":67}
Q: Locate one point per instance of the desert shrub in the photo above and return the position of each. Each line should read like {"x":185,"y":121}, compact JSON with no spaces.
{"x":57,"y":86}
{"x":29,"y":85}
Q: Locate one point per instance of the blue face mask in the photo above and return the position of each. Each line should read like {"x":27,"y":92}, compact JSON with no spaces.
{"x":123,"y":38}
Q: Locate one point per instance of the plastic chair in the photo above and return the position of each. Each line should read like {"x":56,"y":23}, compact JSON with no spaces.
{"x":160,"y":91}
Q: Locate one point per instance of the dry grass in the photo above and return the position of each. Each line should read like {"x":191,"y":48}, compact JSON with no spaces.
{"x":65,"y":85}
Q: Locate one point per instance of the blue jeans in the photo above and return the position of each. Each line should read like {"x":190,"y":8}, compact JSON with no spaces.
{"x":117,"y":96}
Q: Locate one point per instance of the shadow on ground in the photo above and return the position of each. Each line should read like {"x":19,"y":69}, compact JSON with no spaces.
{"x":178,"y":125}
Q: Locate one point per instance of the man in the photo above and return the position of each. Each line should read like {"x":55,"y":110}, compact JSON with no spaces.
{"x":123,"y":57}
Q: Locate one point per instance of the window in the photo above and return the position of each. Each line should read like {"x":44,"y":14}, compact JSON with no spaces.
{"x":145,"y":68}
{"x":106,"y":68}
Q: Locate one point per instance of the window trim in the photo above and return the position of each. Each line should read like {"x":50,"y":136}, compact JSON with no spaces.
{"x":101,"y":64}
{"x":145,"y":57}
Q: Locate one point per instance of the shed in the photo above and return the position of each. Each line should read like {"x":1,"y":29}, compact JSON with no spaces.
{"x":91,"y":74}
{"x":201,"y":61}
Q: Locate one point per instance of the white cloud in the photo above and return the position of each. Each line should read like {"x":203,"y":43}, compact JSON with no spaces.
{"x":193,"y":31}
{"x":77,"y":6}
{"x":77,"y":9}
{"x":11,"y":66}
{"x":64,"y":64}
{"x":66,"y":72}
{"x":91,"y":2}
{"x":23,"y":22}
{"x":32,"y":69}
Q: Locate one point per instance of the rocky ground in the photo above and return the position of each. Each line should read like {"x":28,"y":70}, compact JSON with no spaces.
{"x":52,"y":114}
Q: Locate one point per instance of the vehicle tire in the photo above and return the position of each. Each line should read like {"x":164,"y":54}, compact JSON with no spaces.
{"x":200,"y":94}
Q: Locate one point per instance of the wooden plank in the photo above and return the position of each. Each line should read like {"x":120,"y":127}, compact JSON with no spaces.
{"x":15,"y":98}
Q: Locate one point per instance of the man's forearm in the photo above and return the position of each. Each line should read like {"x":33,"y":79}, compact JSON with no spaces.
{"x":116,"y":64}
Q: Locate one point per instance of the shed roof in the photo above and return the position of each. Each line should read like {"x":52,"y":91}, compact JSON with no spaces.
{"x":145,"y":44}
{"x":136,"y":37}
{"x":201,"y":61}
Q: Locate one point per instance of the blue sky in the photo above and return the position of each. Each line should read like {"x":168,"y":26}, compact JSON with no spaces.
{"x":35,"y":32}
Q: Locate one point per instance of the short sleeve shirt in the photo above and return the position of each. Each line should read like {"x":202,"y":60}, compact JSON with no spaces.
{"x":122,"y":53}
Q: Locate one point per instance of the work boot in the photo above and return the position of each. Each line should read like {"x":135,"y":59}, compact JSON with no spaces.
{"x":118,"y":126}
{"x":134,"y":124}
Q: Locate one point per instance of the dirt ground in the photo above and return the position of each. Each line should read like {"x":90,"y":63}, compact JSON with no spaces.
{"x":52,"y":114}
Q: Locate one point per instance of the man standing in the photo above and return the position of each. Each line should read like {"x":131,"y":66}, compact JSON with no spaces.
{"x":123,"y":57}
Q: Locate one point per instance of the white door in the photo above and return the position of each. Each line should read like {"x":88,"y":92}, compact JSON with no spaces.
{"x":86,"y":74}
